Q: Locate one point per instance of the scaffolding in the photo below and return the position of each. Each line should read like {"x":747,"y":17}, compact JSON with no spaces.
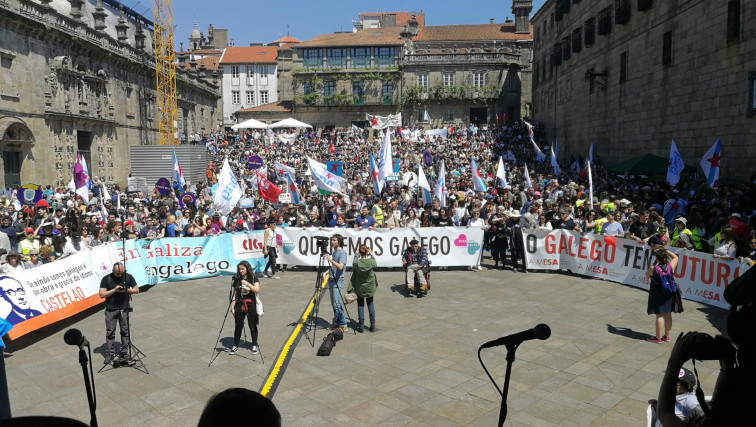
{"x":165,"y":72}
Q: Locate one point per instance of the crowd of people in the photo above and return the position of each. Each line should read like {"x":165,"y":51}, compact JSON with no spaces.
{"x":690,"y":215}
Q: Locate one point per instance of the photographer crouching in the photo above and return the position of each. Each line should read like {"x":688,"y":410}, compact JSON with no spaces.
{"x":245,"y":286}
{"x":116,"y":288}
{"x":733,"y":393}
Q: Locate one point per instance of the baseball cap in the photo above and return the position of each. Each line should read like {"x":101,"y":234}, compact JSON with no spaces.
{"x":240,"y":221}
{"x":29,"y":230}
{"x":128,"y":222}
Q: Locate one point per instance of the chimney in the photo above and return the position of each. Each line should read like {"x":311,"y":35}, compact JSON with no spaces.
{"x":491,"y":21}
{"x":521,"y":10}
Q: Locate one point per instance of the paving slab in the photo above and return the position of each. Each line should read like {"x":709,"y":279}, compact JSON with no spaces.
{"x":420,"y":368}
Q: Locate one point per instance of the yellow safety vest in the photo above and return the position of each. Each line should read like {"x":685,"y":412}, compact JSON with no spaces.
{"x":378,"y":214}
{"x":599,"y":223}
{"x":609,"y":207}
{"x":579,"y":203}
{"x":695,"y":238}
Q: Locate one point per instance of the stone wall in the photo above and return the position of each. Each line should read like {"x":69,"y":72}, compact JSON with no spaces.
{"x":694,"y":95}
{"x":66,"y":82}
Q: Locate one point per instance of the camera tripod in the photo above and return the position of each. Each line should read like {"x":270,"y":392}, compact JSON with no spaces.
{"x":312,"y":319}
{"x":134,"y":358}
{"x":215,"y":353}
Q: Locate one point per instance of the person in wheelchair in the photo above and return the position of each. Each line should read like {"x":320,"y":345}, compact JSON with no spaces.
{"x":416,"y":265}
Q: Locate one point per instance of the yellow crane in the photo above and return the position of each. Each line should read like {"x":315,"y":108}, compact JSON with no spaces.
{"x":165,"y":71}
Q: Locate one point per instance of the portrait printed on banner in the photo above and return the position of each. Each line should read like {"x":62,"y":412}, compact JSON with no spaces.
{"x":15,"y":304}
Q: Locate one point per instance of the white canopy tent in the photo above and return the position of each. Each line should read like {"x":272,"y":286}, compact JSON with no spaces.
{"x":250,"y":124}
{"x":289,"y":123}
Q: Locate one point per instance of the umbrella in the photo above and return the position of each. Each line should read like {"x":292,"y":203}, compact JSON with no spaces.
{"x":290,"y":123}
{"x":250,"y":124}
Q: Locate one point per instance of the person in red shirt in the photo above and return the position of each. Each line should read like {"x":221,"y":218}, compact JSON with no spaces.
{"x":737,"y":225}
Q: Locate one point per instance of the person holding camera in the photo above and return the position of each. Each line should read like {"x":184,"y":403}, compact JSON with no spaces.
{"x":364,"y":282}
{"x":337,"y":260}
{"x":244,"y":304}
{"x":116,"y":288}
{"x":660,"y":301}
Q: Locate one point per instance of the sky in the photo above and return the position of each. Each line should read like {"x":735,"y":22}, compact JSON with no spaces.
{"x":255,"y":21}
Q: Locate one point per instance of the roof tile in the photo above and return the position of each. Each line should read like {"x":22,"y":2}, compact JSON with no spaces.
{"x":470,"y":32}
{"x":368,"y":37}
{"x":250,"y":55}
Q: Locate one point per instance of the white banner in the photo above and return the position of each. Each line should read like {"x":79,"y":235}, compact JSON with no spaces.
{"x":446,"y":246}
{"x":434,"y":133}
{"x":700,"y":276}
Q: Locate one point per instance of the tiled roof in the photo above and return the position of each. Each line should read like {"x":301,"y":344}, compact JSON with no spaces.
{"x":280,"y":106}
{"x":366,"y":37}
{"x":401,"y":17}
{"x":287,"y":39}
{"x":210,"y":62}
{"x":206,"y":51}
{"x":250,"y":55}
{"x":471,"y":32}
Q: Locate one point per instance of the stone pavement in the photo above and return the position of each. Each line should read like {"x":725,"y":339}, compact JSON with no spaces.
{"x":419,"y":368}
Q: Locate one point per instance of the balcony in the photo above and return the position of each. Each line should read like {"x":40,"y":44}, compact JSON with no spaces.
{"x":460,"y":58}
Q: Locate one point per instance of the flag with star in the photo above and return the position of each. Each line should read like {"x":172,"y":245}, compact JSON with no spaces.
{"x":440,"y":189}
{"x":710,"y":163}
{"x":377,"y":183}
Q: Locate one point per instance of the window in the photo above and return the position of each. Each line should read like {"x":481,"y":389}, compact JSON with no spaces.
{"x":449,"y":114}
{"x":667,"y":49}
{"x":577,"y":40}
{"x":250,"y":75}
{"x":448,"y":79}
{"x":623,"y":67}
{"x":264,"y":75}
{"x":479,"y":79}
{"x":312,"y":58}
{"x":422,"y":81}
{"x":590,"y":32}
{"x":751,"y":111}
{"x":622,"y":11}
{"x":235,"y":97}
{"x":556,"y":55}
{"x":384,"y":57}
{"x":358,"y":93}
{"x":250,"y":98}
{"x":644,"y":5}
{"x":235,"y":71}
{"x":328,"y":88}
{"x":264,"y":97}
{"x":308,"y":88}
{"x":360,"y":57}
{"x":605,"y":21}
{"x":566,"y":48}
{"x":733,"y":21}
{"x":336,"y":58}
{"x":387,"y":91}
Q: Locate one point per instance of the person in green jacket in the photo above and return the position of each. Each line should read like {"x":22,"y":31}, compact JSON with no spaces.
{"x":363,"y":282}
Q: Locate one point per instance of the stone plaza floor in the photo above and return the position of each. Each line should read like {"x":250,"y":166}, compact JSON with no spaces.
{"x":419,"y":368}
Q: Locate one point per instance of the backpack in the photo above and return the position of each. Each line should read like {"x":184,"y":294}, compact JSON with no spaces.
{"x":329,"y":342}
{"x":667,"y":280}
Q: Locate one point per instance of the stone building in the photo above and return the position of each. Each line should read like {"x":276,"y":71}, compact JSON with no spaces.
{"x":80,"y":76}
{"x":632,"y":75}
{"x":391,"y":62}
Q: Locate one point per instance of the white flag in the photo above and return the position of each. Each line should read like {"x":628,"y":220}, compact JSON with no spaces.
{"x":675,"y":165}
{"x":385,"y":162}
{"x":501,"y":172}
{"x":323,"y":179}
{"x":229,"y":191}
{"x":382,"y":122}
{"x":426,"y":116}
{"x":283,"y":170}
{"x":539,"y":154}
{"x":440,"y":190}
{"x":105,"y":196}
{"x":527,"y":177}
{"x":554,"y":163}
{"x":422,"y":181}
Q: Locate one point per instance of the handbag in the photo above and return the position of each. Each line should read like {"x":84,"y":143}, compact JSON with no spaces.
{"x":350,"y":297}
{"x":259,"y":305}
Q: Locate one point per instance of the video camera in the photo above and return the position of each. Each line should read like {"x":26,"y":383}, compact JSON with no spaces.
{"x":322,"y":243}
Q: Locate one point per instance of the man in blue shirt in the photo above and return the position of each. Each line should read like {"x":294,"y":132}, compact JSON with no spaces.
{"x":365,"y":220}
{"x":612,"y":227}
{"x":338,"y":261}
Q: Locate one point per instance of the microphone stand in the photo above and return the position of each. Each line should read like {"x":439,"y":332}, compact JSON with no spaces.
{"x":89,"y":384}
{"x":511,"y":348}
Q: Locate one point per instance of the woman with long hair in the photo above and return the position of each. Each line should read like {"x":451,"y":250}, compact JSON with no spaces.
{"x":363,"y":282}
{"x":244,"y":304}
{"x":660,"y":301}
{"x":727,"y":249}
{"x":411,"y":220}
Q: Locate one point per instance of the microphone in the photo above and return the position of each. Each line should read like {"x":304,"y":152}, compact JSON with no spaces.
{"x":74,"y":337}
{"x":541,"y":332}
